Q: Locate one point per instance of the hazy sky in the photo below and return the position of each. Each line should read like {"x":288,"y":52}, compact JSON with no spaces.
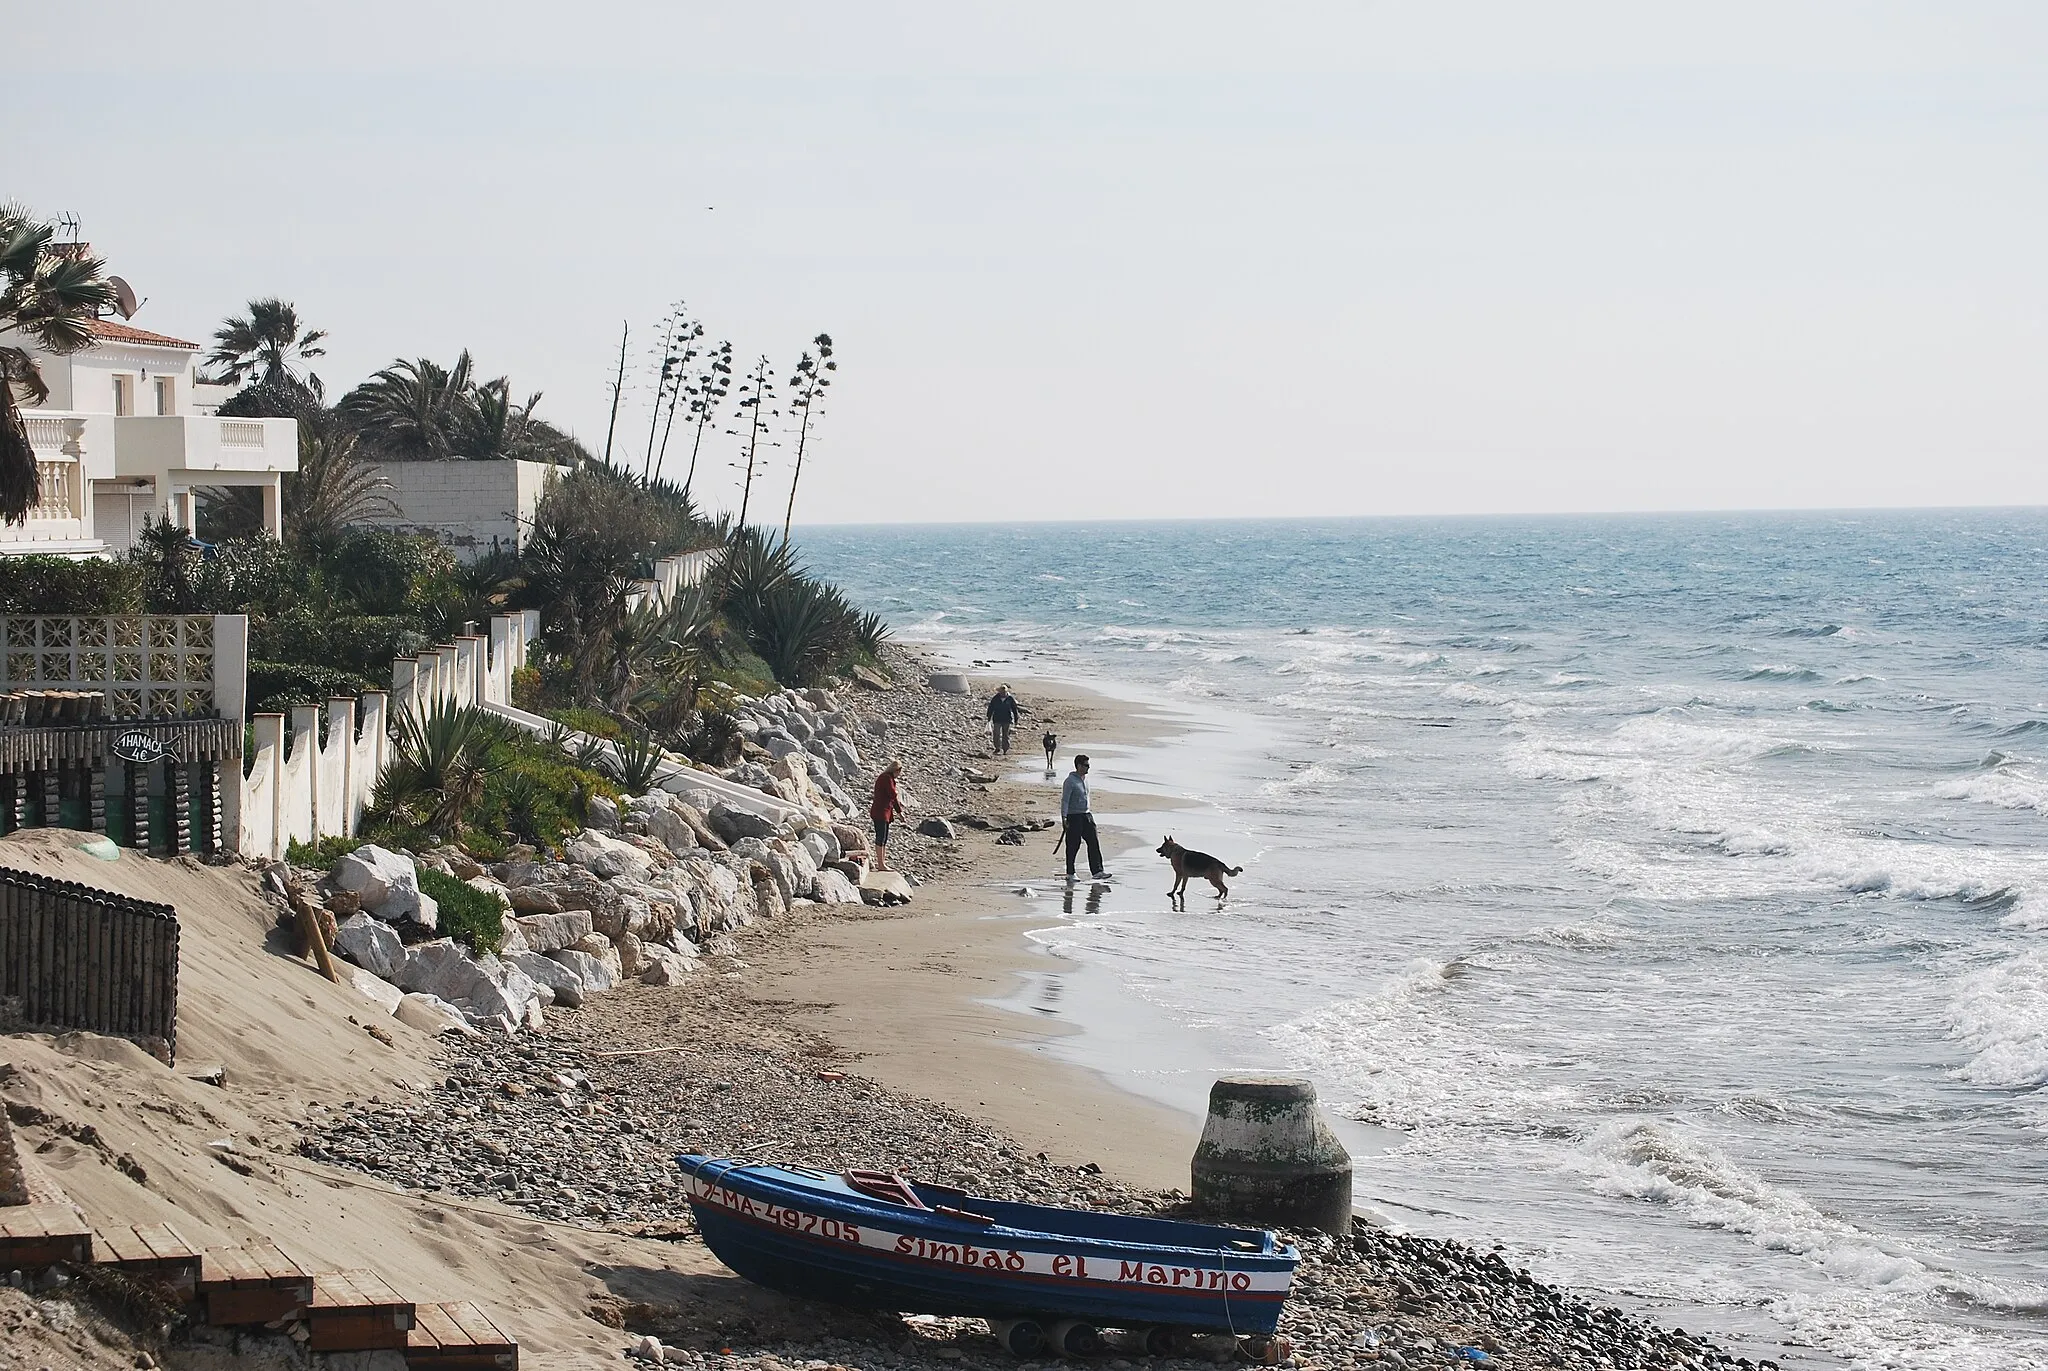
{"x":1131,"y":260}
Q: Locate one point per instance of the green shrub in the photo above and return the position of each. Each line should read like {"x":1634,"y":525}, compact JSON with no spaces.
{"x":470,"y":916}
{"x":526,"y":688}
{"x":59,"y":585}
{"x":391,"y":573}
{"x":363,"y":643}
{"x":276,"y":686}
{"x":324,"y":853}
{"x":595,"y":722}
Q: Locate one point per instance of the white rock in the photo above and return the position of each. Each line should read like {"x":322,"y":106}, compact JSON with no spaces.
{"x":606,"y":856}
{"x":439,"y":968}
{"x":834,"y":888}
{"x":375,"y":989}
{"x":664,"y":967}
{"x":554,"y":975}
{"x":594,"y":972}
{"x":822,"y":846}
{"x":603,"y":814}
{"x":371,"y":944}
{"x":632,"y":955}
{"x":496,"y":889}
{"x":388,"y":883}
{"x":427,"y":913}
{"x":432,"y":1014}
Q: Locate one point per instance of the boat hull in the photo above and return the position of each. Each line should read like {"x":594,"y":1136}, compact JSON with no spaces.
{"x":827,"y":1248}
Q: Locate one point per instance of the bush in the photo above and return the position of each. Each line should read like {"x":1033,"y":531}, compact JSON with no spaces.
{"x":59,"y":585}
{"x":470,"y":916}
{"x":391,"y":573}
{"x":274,"y":687}
{"x":363,"y":643}
{"x":324,"y":853}
{"x":585,"y":720}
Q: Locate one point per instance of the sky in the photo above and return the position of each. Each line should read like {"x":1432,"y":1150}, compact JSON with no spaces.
{"x":1128,"y":260}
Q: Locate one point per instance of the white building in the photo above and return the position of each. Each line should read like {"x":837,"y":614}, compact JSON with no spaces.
{"x":128,"y":433}
{"x":473,"y":508}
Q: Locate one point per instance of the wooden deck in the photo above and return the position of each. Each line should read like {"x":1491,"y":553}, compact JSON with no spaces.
{"x":252,"y":1284}
{"x":38,"y":1235}
{"x":154,"y":1252}
{"x":355,"y":1311}
{"x":459,"y":1337}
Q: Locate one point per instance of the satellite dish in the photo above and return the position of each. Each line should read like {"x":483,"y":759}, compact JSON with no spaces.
{"x":124,"y":297}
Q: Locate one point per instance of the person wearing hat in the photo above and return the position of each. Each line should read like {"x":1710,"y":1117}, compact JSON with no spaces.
{"x":1003,"y":710}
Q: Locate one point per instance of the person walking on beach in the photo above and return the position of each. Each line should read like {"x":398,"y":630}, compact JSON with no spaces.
{"x":1078,"y":824}
{"x":1003,"y":710}
{"x":885,"y":808}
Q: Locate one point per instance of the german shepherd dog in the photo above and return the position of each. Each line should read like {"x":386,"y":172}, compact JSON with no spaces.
{"x":1187,"y":862}
{"x":1051,"y":742}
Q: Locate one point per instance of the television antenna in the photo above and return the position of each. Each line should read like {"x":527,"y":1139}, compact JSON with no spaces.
{"x":67,"y":224}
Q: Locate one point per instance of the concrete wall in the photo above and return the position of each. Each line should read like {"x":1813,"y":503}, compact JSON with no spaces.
{"x":471,"y":507}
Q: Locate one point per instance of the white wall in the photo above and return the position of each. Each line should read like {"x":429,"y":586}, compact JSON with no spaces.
{"x":465,"y":505}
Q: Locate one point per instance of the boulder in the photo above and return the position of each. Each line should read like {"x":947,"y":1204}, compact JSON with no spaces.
{"x":375,"y":989}
{"x":502,"y":993}
{"x":536,"y":899}
{"x":464,"y":867}
{"x":388,"y":884}
{"x":439,"y":968}
{"x":936,"y":827}
{"x":546,"y":932}
{"x":664,"y":966}
{"x":834,"y":888}
{"x":371,"y":944}
{"x":850,"y":838}
{"x":885,"y":887}
{"x":554,"y":975}
{"x":492,"y":888}
{"x":632,"y":955}
{"x":821,"y":844}
{"x":867,"y":678}
{"x":604,"y":855}
{"x":427,"y":914}
{"x":602,"y":814}
{"x":593,"y":972}
{"x":511,"y":937}
{"x":664,"y":824}
{"x":431,"y":1014}
{"x":515,"y":874}
{"x":732,"y":824}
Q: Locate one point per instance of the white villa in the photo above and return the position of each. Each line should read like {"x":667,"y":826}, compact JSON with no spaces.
{"x":129,"y":433}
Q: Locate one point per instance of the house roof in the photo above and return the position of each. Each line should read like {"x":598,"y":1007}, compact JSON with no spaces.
{"x":107,"y":330}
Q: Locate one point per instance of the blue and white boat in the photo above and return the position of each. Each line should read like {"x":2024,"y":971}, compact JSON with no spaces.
{"x":1040,"y":1274}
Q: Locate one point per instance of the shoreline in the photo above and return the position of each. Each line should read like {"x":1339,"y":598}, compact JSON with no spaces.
{"x":923,"y":996}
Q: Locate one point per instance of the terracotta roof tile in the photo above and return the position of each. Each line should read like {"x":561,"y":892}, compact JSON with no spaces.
{"x":110,"y":331}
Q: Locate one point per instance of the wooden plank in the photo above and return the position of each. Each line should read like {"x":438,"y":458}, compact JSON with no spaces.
{"x":457,"y":1336}
{"x":164,"y":1243}
{"x":118,"y":1246}
{"x":355,"y":1290}
{"x":229,"y":1266}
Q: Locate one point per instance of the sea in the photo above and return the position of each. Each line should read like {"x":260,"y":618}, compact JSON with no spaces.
{"x":1663,"y":899}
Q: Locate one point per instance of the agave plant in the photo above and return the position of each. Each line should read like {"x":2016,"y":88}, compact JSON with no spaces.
{"x":439,"y":771}
{"x":804,"y":627}
{"x":870,"y":633}
{"x":636,"y":760}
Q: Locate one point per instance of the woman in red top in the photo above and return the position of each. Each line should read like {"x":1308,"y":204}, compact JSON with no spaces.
{"x":885,"y":809}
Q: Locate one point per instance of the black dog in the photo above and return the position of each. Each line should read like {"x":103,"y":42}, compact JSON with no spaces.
{"x":1051,"y":742}
{"x":1187,"y":862}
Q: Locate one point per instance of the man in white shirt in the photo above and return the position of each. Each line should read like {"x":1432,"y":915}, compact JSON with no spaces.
{"x":1079,"y":823}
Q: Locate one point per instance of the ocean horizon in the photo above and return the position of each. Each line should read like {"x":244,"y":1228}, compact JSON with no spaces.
{"x":1672,"y":889}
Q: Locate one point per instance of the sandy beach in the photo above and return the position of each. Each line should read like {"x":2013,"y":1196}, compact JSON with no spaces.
{"x":534,"y":1174}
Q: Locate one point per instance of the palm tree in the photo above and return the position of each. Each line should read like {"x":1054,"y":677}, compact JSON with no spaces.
{"x":264,"y":344}
{"x":51,"y":296}
{"x":332,"y":489}
{"x":413,"y":411}
{"x":493,"y":425}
